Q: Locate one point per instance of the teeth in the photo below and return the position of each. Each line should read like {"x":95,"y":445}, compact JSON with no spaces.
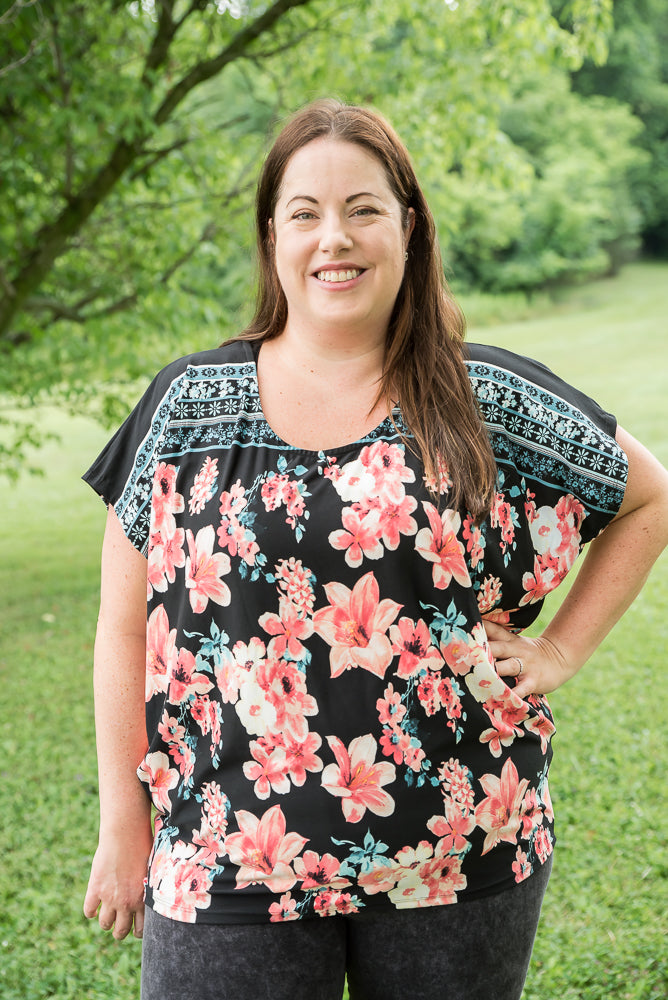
{"x":337,"y":275}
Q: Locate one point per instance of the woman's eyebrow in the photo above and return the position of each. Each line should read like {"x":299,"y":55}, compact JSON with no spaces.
{"x":351,"y":197}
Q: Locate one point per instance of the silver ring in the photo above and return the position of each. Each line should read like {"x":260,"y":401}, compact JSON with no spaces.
{"x":519,"y":673}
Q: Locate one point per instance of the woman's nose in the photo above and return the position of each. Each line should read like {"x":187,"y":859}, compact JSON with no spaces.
{"x":334,"y":235}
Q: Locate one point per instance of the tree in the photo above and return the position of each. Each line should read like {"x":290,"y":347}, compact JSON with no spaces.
{"x":132,"y":134}
{"x":636,"y":74}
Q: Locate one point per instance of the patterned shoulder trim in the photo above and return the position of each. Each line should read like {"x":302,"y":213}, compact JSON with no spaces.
{"x":547,"y":437}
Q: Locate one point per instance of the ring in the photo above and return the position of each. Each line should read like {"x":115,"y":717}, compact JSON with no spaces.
{"x":519,"y":673}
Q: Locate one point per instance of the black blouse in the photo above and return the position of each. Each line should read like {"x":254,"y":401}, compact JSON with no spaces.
{"x":326,"y":727}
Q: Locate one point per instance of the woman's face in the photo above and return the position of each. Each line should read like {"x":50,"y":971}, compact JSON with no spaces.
{"x":339,"y":240}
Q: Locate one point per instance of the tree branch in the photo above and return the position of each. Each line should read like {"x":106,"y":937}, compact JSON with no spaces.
{"x":52,"y":239}
{"x":209,"y":68}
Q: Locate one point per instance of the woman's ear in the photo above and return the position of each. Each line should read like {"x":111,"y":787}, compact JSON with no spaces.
{"x":270,"y":231}
{"x":410,"y":224}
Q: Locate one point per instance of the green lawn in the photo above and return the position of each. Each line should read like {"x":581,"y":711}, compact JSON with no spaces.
{"x":605,"y":922}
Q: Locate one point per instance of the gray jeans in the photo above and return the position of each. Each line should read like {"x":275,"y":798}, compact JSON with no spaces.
{"x":477,"y":950}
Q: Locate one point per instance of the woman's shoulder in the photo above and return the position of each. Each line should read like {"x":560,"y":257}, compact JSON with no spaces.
{"x":213,"y":363}
{"x":496,"y":372}
{"x":230,"y":352}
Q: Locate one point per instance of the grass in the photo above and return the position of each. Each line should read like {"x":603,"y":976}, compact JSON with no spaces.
{"x":605,"y":920}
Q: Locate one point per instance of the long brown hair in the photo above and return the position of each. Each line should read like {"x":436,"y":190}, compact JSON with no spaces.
{"x":423,"y":367}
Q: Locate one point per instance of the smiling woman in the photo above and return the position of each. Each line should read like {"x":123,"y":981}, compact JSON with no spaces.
{"x":344,"y":520}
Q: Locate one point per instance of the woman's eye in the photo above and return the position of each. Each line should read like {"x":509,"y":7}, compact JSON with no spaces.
{"x":365,"y":211}
{"x":303,"y":216}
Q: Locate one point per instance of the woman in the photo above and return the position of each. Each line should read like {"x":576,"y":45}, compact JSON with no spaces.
{"x":343,"y":720}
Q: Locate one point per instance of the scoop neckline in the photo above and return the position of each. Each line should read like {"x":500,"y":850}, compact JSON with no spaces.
{"x":253,"y":348}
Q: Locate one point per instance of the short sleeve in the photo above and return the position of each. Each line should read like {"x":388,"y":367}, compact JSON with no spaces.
{"x":123,"y":472}
{"x":561,"y":479}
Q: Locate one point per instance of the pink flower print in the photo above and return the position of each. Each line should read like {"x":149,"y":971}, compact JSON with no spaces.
{"x":521,"y":866}
{"x":315,"y":872}
{"x":204,"y":570}
{"x":200,"y":710}
{"x":355,"y":483}
{"x":165,"y":555}
{"x":165,"y":501}
{"x":531,"y":813}
{"x":396,"y":520}
{"x":456,"y":780}
{"x":210,"y":845}
{"x":345,"y":903}
{"x":499,"y":813}
{"x":328,"y":903}
{"x":295,"y":581}
{"x":427,"y":692}
{"x":359,"y":537}
{"x":439,"y":545}
{"x":542,"y":727}
{"x":216,"y":806}
{"x":395,"y":743}
{"x":160,"y":652}
{"x":267,"y":770}
{"x":474,"y":541}
{"x":354,"y":625}
{"x":441,"y":482}
{"x":249,"y":655}
{"x":185,"y":681}
{"x":191,"y":889}
{"x":542,"y":844}
{"x":413,"y":757}
{"x":203,"y":486}
{"x":301,"y":756}
{"x":386,"y":463}
{"x":273,"y":490}
{"x":556,"y":530}
{"x":449,"y":698}
{"x":184,"y":759}
{"x":285,"y":909}
{"x":155,"y":771}
{"x":228,"y":676}
{"x":546,"y":576}
{"x":284,"y":685}
{"x":412,"y":642}
{"x":232,"y":502}
{"x":263,"y":851}
{"x":462,"y":653}
{"x":288,"y":630}
{"x":380,"y":878}
{"x":322,"y":904}
{"x":255,"y":710}
{"x":357,"y":779}
{"x":489,"y":594}
{"x":170,"y":729}
{"x":294,"y":503}
{"x":390,"y":708}
{"x":483,"y":681}
{"x":501,"y":516}
{"x":452,"y":829}
{"x":502,"y":733}
{"x":427,"y":879}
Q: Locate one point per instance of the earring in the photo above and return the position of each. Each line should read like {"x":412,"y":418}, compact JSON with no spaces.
{"x":405,"y":254}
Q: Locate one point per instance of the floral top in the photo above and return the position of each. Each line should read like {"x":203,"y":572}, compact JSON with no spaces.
{"x":326,"y":727}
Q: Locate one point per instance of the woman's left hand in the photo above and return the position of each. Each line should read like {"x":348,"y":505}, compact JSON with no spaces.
{"x":536,"y":663}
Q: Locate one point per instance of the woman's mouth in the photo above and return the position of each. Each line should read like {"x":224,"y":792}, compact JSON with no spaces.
{"x":336,"y":276}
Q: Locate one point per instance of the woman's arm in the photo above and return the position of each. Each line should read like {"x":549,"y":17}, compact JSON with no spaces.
{"x":116,"y":885}
{"x":612,"y":574}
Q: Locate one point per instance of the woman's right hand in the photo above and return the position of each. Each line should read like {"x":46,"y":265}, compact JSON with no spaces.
{"x":115,"y":893}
